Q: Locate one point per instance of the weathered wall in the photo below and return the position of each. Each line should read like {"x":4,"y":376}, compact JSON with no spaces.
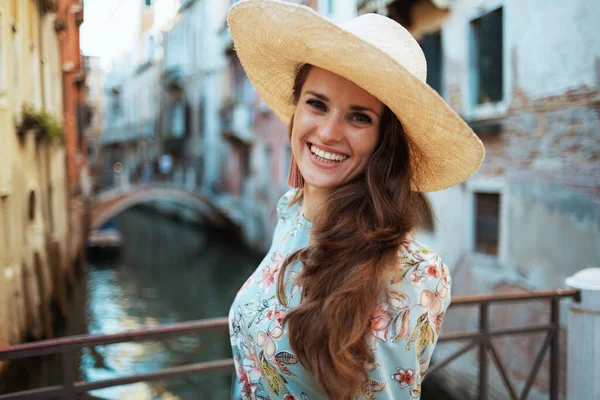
{"x":33,"y":201}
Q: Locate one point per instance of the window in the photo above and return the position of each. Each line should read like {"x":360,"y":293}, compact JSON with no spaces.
{"x":79,"y":110}
{"x":487,"y":55}
{"x":91,"y":151}
{"x":3,"y":56}
{"x":51,"y":208}
{"x":31,"y":206}
{"x":5,"y":223}
{"x":432,"y":48}
{"x":116,"y":104}
{"x":487,"y":223}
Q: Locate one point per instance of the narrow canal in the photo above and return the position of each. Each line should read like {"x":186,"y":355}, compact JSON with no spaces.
{"x":169,"y":272}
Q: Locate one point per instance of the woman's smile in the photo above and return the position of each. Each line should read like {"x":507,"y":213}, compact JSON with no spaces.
{"x":324,"y":158}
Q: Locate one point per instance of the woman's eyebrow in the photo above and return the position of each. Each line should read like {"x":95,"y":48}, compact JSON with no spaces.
{"x":362,"y":108}
{"x":322,"y":97}
{"x":318,"y":95}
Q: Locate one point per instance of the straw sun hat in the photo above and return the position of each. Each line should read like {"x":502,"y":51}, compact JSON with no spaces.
{"x":273,"y":38}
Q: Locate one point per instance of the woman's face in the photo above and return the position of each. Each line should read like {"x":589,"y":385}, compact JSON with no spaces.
{"x":335,"y":131}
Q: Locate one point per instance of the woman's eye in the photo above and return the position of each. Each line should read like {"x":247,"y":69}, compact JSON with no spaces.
{"x":361,"y":118}
{"x":317,"y":104}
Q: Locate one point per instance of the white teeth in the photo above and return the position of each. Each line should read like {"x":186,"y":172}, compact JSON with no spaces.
{"x":327,"y":156}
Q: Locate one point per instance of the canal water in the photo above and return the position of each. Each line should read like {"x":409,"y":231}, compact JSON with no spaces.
{"x":169,"y":272}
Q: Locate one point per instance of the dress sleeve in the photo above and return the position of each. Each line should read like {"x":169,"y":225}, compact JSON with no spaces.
{"x":405,"y":326}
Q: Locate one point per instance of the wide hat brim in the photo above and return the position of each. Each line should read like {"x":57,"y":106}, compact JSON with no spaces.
{"x":272,"y":38}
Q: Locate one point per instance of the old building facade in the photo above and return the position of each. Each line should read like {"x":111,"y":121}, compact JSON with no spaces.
{"x":132,"y":95}
{"x":93,"y":118}
{"x":530,"y":217}
{"x":35,"y":236}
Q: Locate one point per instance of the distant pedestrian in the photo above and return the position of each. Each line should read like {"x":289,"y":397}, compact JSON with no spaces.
{"x":347,"y":304}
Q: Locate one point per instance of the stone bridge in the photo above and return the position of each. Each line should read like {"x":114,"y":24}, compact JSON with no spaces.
{"x":110,"y":203}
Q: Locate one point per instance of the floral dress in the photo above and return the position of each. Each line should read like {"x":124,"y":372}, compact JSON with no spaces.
{"x":403,"y":332}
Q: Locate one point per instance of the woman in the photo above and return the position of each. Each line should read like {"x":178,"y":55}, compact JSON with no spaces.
{"x":346,"y":304}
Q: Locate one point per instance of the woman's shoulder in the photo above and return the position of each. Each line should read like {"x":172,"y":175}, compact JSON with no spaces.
{"x":283,"y":204}
{"x":419,"y":269}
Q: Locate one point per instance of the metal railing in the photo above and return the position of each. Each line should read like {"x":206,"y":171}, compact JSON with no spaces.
{"x":481,"y":339}
{"x":69,"y":346}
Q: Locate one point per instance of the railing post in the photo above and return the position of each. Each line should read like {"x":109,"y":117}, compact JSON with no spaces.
{"x":483,"y":345}
{"x":583,"y":363}
{"x":68,"y":375}
{"x":554,"y":348}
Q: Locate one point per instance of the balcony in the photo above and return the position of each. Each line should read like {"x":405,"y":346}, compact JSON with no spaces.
{"x":173,"y":77}
{"x":237,"y":120}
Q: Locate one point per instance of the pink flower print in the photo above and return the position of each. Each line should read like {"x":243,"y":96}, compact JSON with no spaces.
{"x":266,"y":340}
{"x":404,"y":377}
{"x":446,"y":276}
{"x":276,"y":315}
{"x":416,"y":277}
{"x":246,"y":386}
{"x":433,"y":271}
{"x":270,"y":273}
{"x":278,"y":260}
{"x":432,"y":301}
{"x":380,"y":320}
{"x":269,"y":276}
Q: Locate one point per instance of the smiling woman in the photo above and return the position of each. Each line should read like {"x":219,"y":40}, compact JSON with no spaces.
{"x":347,"y":303}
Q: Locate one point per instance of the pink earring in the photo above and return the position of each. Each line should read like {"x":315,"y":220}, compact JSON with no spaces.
{"x":295,"y":178}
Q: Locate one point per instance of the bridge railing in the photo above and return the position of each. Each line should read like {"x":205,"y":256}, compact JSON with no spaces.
{"x":480,"y":339}
{"x":70,"y":346}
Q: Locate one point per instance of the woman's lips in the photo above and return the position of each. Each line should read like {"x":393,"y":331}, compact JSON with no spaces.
{"x":322,"y":164}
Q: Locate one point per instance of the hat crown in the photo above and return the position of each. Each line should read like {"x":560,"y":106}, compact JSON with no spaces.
{"x":392,"y":38}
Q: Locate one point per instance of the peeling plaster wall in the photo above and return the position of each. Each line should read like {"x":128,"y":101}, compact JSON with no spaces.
{"x":556,"y":233}
{"x":544,"y":161}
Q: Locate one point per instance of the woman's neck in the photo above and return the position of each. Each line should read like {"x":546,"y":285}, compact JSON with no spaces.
{"x":313,"y":198}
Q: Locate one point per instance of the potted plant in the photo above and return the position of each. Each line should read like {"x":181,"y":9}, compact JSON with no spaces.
{"x":46,"y":125}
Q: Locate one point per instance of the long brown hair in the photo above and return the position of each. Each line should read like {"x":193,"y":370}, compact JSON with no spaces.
{"x":354,"y":243}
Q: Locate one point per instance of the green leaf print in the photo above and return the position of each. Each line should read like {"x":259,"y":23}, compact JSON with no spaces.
{"x":400,"y":325}
{"x":425,"y":338}
{"x":416,"y":330}
{"x":276,"y":381}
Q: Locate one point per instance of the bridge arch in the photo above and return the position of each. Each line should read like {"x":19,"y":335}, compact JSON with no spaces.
{"x":111,"y":203}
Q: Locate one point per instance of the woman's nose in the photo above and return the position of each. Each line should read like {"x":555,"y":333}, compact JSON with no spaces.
{"x":331,"y":129}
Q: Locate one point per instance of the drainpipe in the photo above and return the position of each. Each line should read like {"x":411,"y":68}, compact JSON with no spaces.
{"x":583,"y":349}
